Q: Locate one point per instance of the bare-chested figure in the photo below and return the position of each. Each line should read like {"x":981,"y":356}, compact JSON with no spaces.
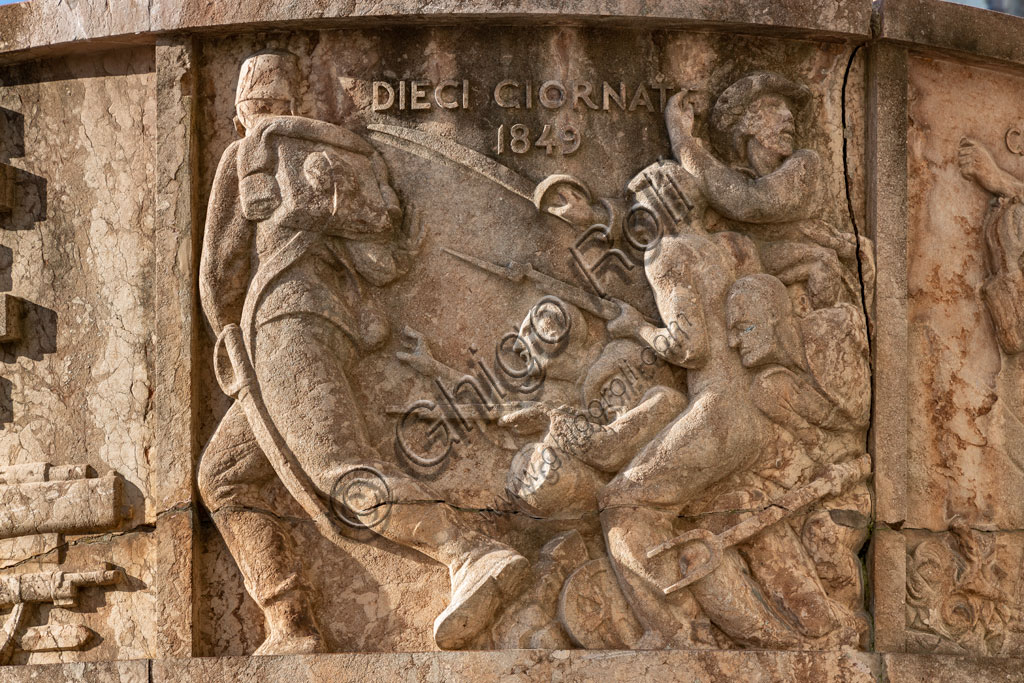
{"x":722,"y":431}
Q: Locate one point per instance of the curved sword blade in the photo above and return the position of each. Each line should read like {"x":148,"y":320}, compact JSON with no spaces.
{"x":429,"y":145}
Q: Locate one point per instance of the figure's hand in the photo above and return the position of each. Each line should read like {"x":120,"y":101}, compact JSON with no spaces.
{"x":410,"y":239}
{"x":628,"y":323}
{"x":976,"y":163}
{"x":679,"y":115}
{"x":418,"y":357}
{"x":530,"y":420}
{"x":826,"y":235}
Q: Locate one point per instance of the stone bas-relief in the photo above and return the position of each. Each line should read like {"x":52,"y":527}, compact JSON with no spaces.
{"x":312,"y":204}
{"x":962,"y":259}
{"x":961,"y":542}
{"x":664,"y":423}
{"x":76,"y":573}
{"x":471,"y":345}
{"x":42,"y":500}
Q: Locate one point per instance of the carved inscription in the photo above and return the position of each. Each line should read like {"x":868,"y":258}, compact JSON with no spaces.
{"x":524,"y":95}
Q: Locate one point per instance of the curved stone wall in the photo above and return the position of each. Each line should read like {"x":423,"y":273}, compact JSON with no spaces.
{"x":541,"y":340}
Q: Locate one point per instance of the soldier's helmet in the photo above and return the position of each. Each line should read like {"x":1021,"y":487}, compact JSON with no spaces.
{"x":269,"y":75}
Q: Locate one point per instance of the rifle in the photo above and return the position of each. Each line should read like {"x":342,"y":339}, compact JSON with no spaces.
{"x":702,"y":552}
{"x":60,"y":588}
{"x":19,"y":591}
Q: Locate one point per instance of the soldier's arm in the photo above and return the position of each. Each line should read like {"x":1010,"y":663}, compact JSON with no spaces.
{"x":978,"y":164}
{"x":683,"y":341}
{"x":789,"y":193}
{"x":614,"y":445}
{"x":225,"y":265}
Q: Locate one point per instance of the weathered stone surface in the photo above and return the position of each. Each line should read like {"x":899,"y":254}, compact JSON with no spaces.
{"x":83,"y":672}
{"x":815,"y":456}
{"x":176,"y":254}
{"x":911,"y":668}
{"x":965,"y":430}
{"x":47,"y":23}
{"x":599,"y":340}
{"x":77,"y":384}
{"x":970,"y":33}
{"x":714,"y":666}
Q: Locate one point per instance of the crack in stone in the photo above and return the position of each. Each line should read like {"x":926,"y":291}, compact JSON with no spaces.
{"x":83,"y":540}
{"x":856,"y":234}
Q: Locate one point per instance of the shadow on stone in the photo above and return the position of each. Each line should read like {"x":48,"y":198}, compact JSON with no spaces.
{"x":12,"y":134}
{"x":39,"y":334}
{"x":29,"y":189}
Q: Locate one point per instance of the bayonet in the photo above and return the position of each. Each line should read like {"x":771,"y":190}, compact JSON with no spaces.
{"x":518,"y":272}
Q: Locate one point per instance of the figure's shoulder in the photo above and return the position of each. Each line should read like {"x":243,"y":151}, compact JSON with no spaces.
{"x":231,"y":153}
{"x":316,"y":131}
{"x":741,"y":250}
{"x":842,"y":318}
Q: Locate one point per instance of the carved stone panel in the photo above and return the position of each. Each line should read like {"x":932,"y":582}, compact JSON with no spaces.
{"x":545,"y":338}
{"x":469,"y":341}
{"x":966,"y":437}
{"x":964,"y":478}
{"x":76,"y":323}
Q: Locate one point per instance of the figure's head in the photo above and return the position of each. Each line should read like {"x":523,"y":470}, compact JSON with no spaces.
{"x":551,"y":339}
{"x":565,"y":197}
{"x":757,"y":111}
{"x":268,"y":85}
{"x":761,"y":324}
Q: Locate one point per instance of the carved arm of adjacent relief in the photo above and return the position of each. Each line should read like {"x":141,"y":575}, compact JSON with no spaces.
{"x":1003,"y":290}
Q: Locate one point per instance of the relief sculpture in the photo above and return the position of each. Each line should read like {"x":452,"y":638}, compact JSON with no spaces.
{"x":302,"y":221}
{"x":1004,"y":241}
{"x":775,"y":407}
{"x":42,"y":502}
{"x":725,"y":464}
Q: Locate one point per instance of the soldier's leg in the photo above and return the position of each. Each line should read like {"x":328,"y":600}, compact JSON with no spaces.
{"x":833,"y":537}
{"x":780,"y":563}
{"x":234,"y":477}
{"x":709,"y":441}
{"x":302,"y":364}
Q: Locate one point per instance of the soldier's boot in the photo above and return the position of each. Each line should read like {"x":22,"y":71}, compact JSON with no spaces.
{"x":481,"y":583}
{"x":271,"y":573}
{"x":485,"y":574}
{"x":290,"y":626}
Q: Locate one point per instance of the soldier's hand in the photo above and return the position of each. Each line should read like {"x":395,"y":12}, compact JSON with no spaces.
{"x":628,"y":323}
{"x":679,"y":114}
{"x":976,"y":163}
{"x":418,"y":356}
{"x":412,"y":235}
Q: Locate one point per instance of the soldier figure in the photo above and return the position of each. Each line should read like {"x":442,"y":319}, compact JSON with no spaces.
{"x":769,"y":190}
{"x":302,"y":221}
